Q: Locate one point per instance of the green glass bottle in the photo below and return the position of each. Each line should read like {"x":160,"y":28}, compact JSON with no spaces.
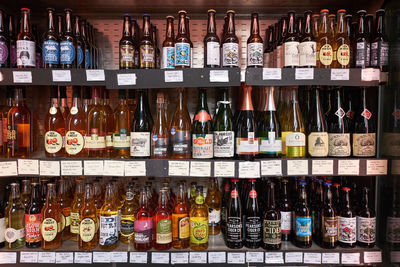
{"x":202,"y":136}
{"x":14,"y":213}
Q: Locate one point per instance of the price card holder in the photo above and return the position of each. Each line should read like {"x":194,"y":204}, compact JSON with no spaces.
{"x":274,"y":258}
{"x":254,"y":257}
{"x":272,"y":74}
{"x":160,"y":257}
{"x":101,"y":257}
{"x":8,"y":168}
{"x":83,"y":257}
{"x":330,"y":258}
{"x":322,"y":167}
{"x":249,"y":169}
{"x":304,"y":74}
{"x":49,"y":168}
{"x":236,"y":258}
{"x":180,"y":258}
{"x":198,"y":257}
{"x":64,"y":257}
{"x":372,"y":256}
{"x":95,"y":76}
{"x":173,"y":76}
{"x":312,"y":258}
{"x":8,"y":257}
{"x":340,"y":74}
{"x":351,"y":258}
{"x":377,"y":167}
{"x":370,"y":74}
{"x":178,"y":168}
{"x":200,"y":168}
{"x":126,"y":79}
{"x":294,"y":257}
{"x":224,"y":169}
{"x":135,"y":168}
{"x":219,"y":76}
{"x":22,"y":76}
{"x":28,"y":257}
{"x":216,"y":257}
{"x":297,"y":167}
{"x":47,"y":257}
{"x":271,"y":167}
{"x":119,"y":256}
{"x":93,"y":167}
{"x":114,"y":168}
{"x":348,"y":167}
{"x":71,"y":167}
{"x":138,"y":257}
{"x":28,"y":167}
{"x":61,"y":75}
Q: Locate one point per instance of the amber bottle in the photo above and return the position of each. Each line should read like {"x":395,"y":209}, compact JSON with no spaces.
{"x":88,"y":235}
{"x":51,"y":220}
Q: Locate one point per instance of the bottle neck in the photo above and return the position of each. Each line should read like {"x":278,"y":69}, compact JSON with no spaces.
{"x":303,"y":194}
{"x":88,"y":193}
{"x":181,"y":197}
{"x":285,"y":192}
{"x":269,"y":99}
{"x":50,"y":22}
{"x":68,"y":27}
{"x":181,"y":101}
{"x":211,"y":23}
{"x":324,"y":24}
{"x":143,"y":198}
{"x":291,"y":27}
{"x":15,"y":195}
{"x":163,"y":199}
{"x":231,"y":24}
{"x":347,"y":199}
{"x":365,"y":200}
{"x":247,"y":104}
{"x":272,"y":196}
{"x":284,"y":28}
{"x":342,"y":24}
{"x":328,"y":196}
{"x":127,"y":28}
{"x":25,"y":22}
{"x":182,"y":24}
{"x":202,"y":103}
{"x":380,"y":22}
{"x":18,"y":97}
{"x":170,"y":29}
{"x":254,"y":25}
{"x":109,"y":195}
{"x":51,"y":193}
{"x":2,"y":26}
{"x":77,"y":30}
{"x":307,"y":26}
{"x":35,"y":196}
{"x":361,"y":25}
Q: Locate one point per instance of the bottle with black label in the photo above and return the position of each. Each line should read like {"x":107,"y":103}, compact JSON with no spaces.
{"x":366,"y":222}
{"x":329,"y":220}
{"x":347,"y":222}
{"x":234,"y":224}
{"x":302,"y":219}
{"x":252,"y":215}
{"x":224,"y":136}
{"x":272,"y":222}
{"x":68,"y":58}
{"x":362,"y":43}
{"x":380,"y":45}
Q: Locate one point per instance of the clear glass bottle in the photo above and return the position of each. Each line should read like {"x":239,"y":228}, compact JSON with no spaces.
{"x":14,"y":214}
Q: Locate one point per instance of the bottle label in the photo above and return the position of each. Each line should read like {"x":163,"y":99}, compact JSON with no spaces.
{"x":122,"y":140}
{"x":32,"y":228}
{"x":366,"y":229}
{"x":380,"y":54}
{"x":67,"y":52}
{"x":295,"y":139}
{"x":87,"y":59}
{"x":168,"y":58}
{"x":127,"y":226}
{"x":214,"y":217}
{"x":108,"y":230}
{"x":303,"y":228}
{"x":267,"y":60}
{"x":286,"y":222}
{"x":339,"y":144}
{"x":164,"y":232}
{"x":272,"y":232}
{"x":224,"y":144}
{"x":49,"y":229}
{"x":270,"y":144}
{"x":230,"y":54}
{"x":87,"y":229}
{"x":140,"y":144}
{"x":213,"y":53}
{"x":253,"y":194}
{"x":80,"y":55}
{"x":361,"y":54}
{"x":202,"y":146}
{"x":94,"y":141}
{"x":109,"y":141}
{"x":364,"y":144}
{"x":62,"y":223}
{"x":347,"y":230}
{"x":180,"y":142}
{"x":126,"y":53}
{"x":308,"y":54}
{"x":182,"y":54}
{"x":53,"y":142}
{"x":198,"y":230}
{"x":253,"y":229}
{"x":3,"y":228}
{"x":51,"y":52}
{"x":11,"y":235}
{"x":391,"y":144}
{"x":393,"y":230}
{"x":247,"y":146}
{"x":74,"y":223}
{"x":18,"y":136}
{"x":3,"y":52}
{"x":74,"y":142}
{"x":291,"y":51}
{"x":143,"y":231}
{"x":234,"y":229}
{"x":147,"y":59}
{"x":255,"y":54}
{"x":159,"y":146}
{"x":26,"y":55}
{"x":343,"y":55}
{"x":329,"y":229}
{"x":180,"y":226}
{"x":278,"y":56}
{"x":318,"y":144}
{"x":326,"y":55}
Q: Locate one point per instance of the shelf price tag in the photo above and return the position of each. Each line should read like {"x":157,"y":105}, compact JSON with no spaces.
{"x":135,"y":168}
{"x":272,"y":74}
{"x":377,"y":167}
{"x":61,"y":75}
{"x":64,"y":257}
{"x":22,"y":76}
{"x":28,"y":257}
{"x":224,"y":169}
{"x":216,"y":257}
{"x":370,"y":74}
{"x":173,"y":76}
{"x":351,"y":258}
{"x":249,"y":169}
{"x":160,"y":257}
{"x":180,"y":258}
{"x":83,"y":257}
{"x":322,"y":167}
{"x":93,"y":167}
{"x":236,"y":258}
{"x":294,"y":257}
{"x":8,"y":257}
{"x":95,"y":76}
{"x":297,"y":167}
{"x":200,"y":168}
{"x":113,"y":168}
{"x":221,"y":76}
{"x":49,"y":168}
{"x":178,"y":168}
{"x":254,"y":257}
{"x":304,"y":74}
{"x":71,"y":167}
{"x":8,"y":168}
{"x":312,"y":258}
{"x":126,"y":79}
{"x":101,"y":257}
{"x":274,"y":258}
{"x":372,"y":256}
{"x":330,"y":258}
{"x":138,"y":257}
{"x":349,"y":167}
{"x":198,"y":257}
{"x":47,"y":257}
{"x":119,"y":256}
{"x":271,"y":167}
{"x":28,"y":167}
{"x":340,"y":74}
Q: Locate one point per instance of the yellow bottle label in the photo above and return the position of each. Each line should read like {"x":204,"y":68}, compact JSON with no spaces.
{"x":318,"y":144}
{"x":284,"y":134}
{"x":326,"y":54}
{"x":62,"y":222}
{"x":180,"y":226}
{"x":49,"y":229}
{"x":199,"y":200}
{"x":364,"y":144}
{"x":74,"y":223}
{"x":87,"y":229}
{"x":343,"y":55}
{"x":53,"y":142}
{"x":67,"y":221}
{"x":198,"y":230}
{"x":295,"y":145}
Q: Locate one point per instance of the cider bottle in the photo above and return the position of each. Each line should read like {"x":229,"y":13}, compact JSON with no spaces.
{"x":128,"y":216}
{"x":180,"y":220}
{"x":88,"y":235}
{"x":121,"y":137}
{"x":95,"y":140}
{"x":14,"y":214}
{"x":341,"y":44}
{"x":65,"y":208}
{"x":160,"y":132}
{"x":324,"y":42}
{"x":109,"y":115}
{"x":75,"y":210}
{"x":33,"y":219}
{"x":26,"y":192}
{"x":163,"y":223}
{"x":168,"y":49}
{"x":75,"y":127}
{"x":51,"y":220}
{"x":199,"y":222}
{"x":214,"y":203}
{"x":143,"y":225}
{"x":108,"y":238}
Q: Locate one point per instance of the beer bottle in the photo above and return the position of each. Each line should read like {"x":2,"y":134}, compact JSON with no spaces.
{"x":86,"y":44}
{"x":65,"y":209}
{"x":68,"y":44}
{"x":168,"y":52}
{"x":234,"y":224}
{"x":316,"y":207}
{"x":379,"y":45}
{"x":33,"y":219}
{"x":180,"y":220}
{"x":80,"y":44}
{"x":187,"y":24}
{"x":347,"y":222}
{"x":324,"y":42}
{"x":5,"y":53}
{"x":366,"y":223}
{"x":211,"y":43}
{"x":362,"y":43}
{"x":75,"y":210}
{"x":230,"y":43}
{"x":269,"y":37}
{"x":317,"y":128}
{"x":302,"y":219}
{"x":291,"y":44}
{"x":202,"y":135}
{"x":126,"y":46}
{"x":160,"y":131}
{"x":12,"y":42}
{"x":108,"y":231}
{"x":128,"y":216}
{"x":214,"y":202}
{"x":255,"y":44}
{"x":14,"y":223}
{"x":281,"y":47}
{"x":182,"y":43}
{"x":272,"y":222}
{"x":341,"y":44}
{"x":88,"y":221}
{"x":285,"y":208}
{"x":252,"y":219}
{"x":349,"y":19}
{"x":26,"y":48}
{"x":51,"y":220}
{"x":143,"y":225}
{"x":146,"y":46}
{"x":329,"y":220}
{"x":199,"y":222}
{"x":156,"y":48}
{"x":51,"y":43}
{"x":308,"y":46}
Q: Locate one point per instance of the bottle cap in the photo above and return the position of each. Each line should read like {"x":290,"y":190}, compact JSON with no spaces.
{"x":230,"y":11}
{"x":346,"y":189}
{"x":146,"y":15}
{"x":336,"y":185}
{"x":169,"y":17}
{"x":50,"y":9}
{"x":361,"y":11}
{"x":182,"y":11}
{"x":380,"y":11}
{"x":307,"y":12}
{"x":324,"y":11}
{"x":341,"y":11}
{"x":67,"y":10}
{"x":315,"y":15}
{"x":25,"y":9}
{"x":211,"y":10}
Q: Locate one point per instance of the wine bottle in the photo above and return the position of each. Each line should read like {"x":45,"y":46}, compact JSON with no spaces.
{"x":224,"y":137}
{"x":317,"y":128}
{"x":160,"y":131}
{"x":202,"y":136}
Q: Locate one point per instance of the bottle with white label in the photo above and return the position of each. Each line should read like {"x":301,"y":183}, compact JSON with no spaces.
{"x":211,"y":43}
{"x":362,"y":42}
{"x":347,"y":222}
{"x":108,"y":229}
{"x":121,"y":137}
{"x":380,"y":45}
{"x":14,"y":224}
{"x":255,"y":47}
{"x":291,"y":44}
{"x":230,"y":44}
{"x":26,"y":48}
{"x":307,"y":46}
{"x":202,"y":135}
{"x":75,"y":127}
{"x":224,"y":136}
{"x":214,"y":203}
{"x":160,"y":132}
{"x":324,"y":42}
{"x":168,"y":46}
{"x":366,"y":222}
{"x":95,"y":139}
{"x":317,"y":128}
{"x":285,"y":208}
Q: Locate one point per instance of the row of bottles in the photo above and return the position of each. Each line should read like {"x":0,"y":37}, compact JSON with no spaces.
{"x":69,"y":42}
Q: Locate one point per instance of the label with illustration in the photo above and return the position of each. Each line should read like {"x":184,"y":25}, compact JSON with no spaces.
{"x":74,"y":223}
{"x":364,"y":144}
{"x":224,"y":144}
{"x":180,"y":226}
{"x":303,"y":228}
{"x":159,"y":146}
{"x":53,"y":142}
{"x":164,"y":231}
{"x":329,"y":229}
{"x":291,"y":52}
{"x":198,"y":230}
{"x":11,"y":235}
{"x":87,"y":229}
{"x":308,"y":54}
{"x":366,"y":229}
{"x":230,"y":55}
{"x":74,"y":142}
{"x":147,"y":58}
{"x":49,"y":229}
{"x":339,"y":144}
{"x":127,"y":225}
{"x":234,"y":229}
{"x":202,"y":146}
{"x":168,"y":57}
{"x":347,"y":230}
{"x":326,"y":55}
{"x":32,"y":228}
{"x":318,"y":144}
{"x":26,"y":55}
{"x":143,"y":231}
{"x":272,"y":232}
{"x":214,"y":217}
{"x":67,"y":52}
{"x":4,"y":53}
{"x":343,"y":55}
{"x":255,"y":54}
{"x":182,"y":54}
{"x":140,"y":144}
{"x":108,"y":230}
{"x":51,"y":52}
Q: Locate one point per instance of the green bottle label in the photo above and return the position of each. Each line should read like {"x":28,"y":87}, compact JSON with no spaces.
{"x":164,"y":231}
{"x":198,"y":230}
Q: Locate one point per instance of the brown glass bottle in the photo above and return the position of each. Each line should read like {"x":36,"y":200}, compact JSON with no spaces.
{"x":366,"y":222}
{"x":26,"y":48}
{"x":255,"y":44}
{"x":272,"y":222}
{"x":230,"y":44}
{"x":379,"y":44}
{"x":308,"y":46}
{"x":362,"y":43}
{"x":33,"y":219}
{"x":211,"y":43}
{"x":180,"y":220}
{"x":347,"y":222}
{"x":341,"y":44}
{"x":65,"y":209}
{"x":126,"y":46}
{"x":88,"y":234}
{"x":51,"y":220}
{"x":302,"y":219}
{"x":182,"y":43}
{"x":168,"y":46}
{"x":75,"y":127}
{"x":329,"y":220}
{"x":324,"y":42}
{"x":146,"y":52}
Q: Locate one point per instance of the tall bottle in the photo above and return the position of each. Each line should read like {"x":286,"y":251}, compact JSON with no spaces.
{"x":234,"y":223}
{"x":86,"y":43}
{"x":202,"y":136}
{"x":329,"y":220}
{"x":63,"y":103}
{"x":13,"y":42}
{"x":285,"y":208}
{"x":132,"y":102}
{"x":199,"y":222}
{"x":141,"y":126}
{"x":182,"y":43}
{"x":366,"y":222}
{"x":224,"y":136}
{"x":76,"y":206}
{"x":88,"y":221}
{"x":51,"y":220}
{"x":109,"y":115}
{"x":272,"y":222}
{"x":163,"y":223}
{"x":230,"y":44}
{"x":95,"y":141}
{"x":26,"y":48}
{"x":302,"y":219}
{"x":291,"y":44}
{"x":51,"y":43}
{"x":26,"y":192}
{"x":268,"y":49}
{"x":160,"y":132}
{"x":68,"y":45}
{"x":14,"y":214}
{"x":80,"y":44}
{"x":180,"y":220}
{"x":64,"y":201}
{"x":33,"y":219}
{"x":347,"y":222}
{"x":180,"y":129}
{"x":75,"y":127}
{"x":143,"y":225}
{"x":146,"y":52}
{"x":255,"y":47}
{"x":126,"y":46}
{"x":252,"y":219}
{"x":317,"y":128}
{"x":121,"y":137}
{"x":128,"y":216}
{"x":362,"y":43}
{"x":168,"y":50}
{"x":341,"y":44}
{"x":214,"y":202}
{"x":324,"y":42}
{"x":108,"y":230}
{"x":380,"y":45}
{"x":4,"y":114}
{"x":308,"y":45}
{"x":211,"y":43}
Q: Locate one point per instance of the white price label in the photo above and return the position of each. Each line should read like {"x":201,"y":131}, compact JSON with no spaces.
{"x":49,"y":168}
{"x":294,"y":257}
{"x":71,"y":167}
{"x":113,"y":168}
{"x":173,"y":76}
{"x":216,"y":257}
{"x":135,"y":168}
{"x":95,"y":75}
{"x":47,"y":257}
{"x":271,"y":167}
{"x":304,"y":74}
{"x":224,"y":169}
{"x":178,"y":168}
{"x":249,"y":169}
{"x":221,"y":76}
{"x":377,"y":167}
{"x":8,"y":257}
{"x":22,"y":76}
{"x":200,"y":168}
{"x":330,"y":258}
{"x":119,"y":256}
{"x":138,"y":257}
{"x":64,"y":257}
{"x":83,"y":257}
{"x":340,"y":74}
{"x":93,"y":167}
{"x":160,"y":257}
{"x":272,"y":74}
{"x":297,"y":167}
{"x":372,"y":256}
{"x":180,"y":258}
{"x":61,"y":75}
{"x":126,"y":79}
{"x":370,"y":74}
{"x":274,"y":257}
{"x":28,"y":257}
{"x":312,"y":258}
{"x":348,"y":167}
{"x":351,"y":258}
{"x":322,"y":167}
{"x":254,"y":257}
{"x":198,"y":257}
{"x":242,"y":75}
{"x":101,"y":257}
{"x":236,"y":258}
{"x":28,"y":167}
{"x":8,"y":168}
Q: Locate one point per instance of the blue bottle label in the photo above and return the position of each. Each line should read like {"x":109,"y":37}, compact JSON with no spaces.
{"x":87,"y":59}
{"x":67,"y":52}
{"x":303,"y":226}
{"x":168,"y":59}
{"x":182,"y":54}
{"x":51,"y":52}
{"x":80,"y":55}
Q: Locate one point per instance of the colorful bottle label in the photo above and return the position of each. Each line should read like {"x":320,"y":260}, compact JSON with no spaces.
{"x":127,"y":225}
{"x":393,"y":230}
{"x":180,"y":226}
{"x":272,"y":232}
{"x":11,"y":235}
{"x":202,"y":146}
{"x":234,"y":229}
{"x":247,"y":146}
{"x":198,"y":230}
{"x":74,"y":223}
{"x":159,"y":146}
{"x":230,"y":55}
{"x":122,"y":140}
{"x":87,"y":229}
{"x":147,"y":57}
{"x":364,"y":144}
{"x":308,"y":54}
{"x":213,"y":53}
{"x":329,"y":229}
{"x":180,"y":142}
{"x":286,"y":222}
{"x":3,"y":52}
{"x":347,"y":230}
{"x":326,"y":55}
{"x":270,"y":144}
{"x":164,"y":231}
{"x":255,"y":54}
{"x":292,"y":56}
{"x":74,"y":142}
{"x":366,"y":230}
{"x":143,"y":231}
{"x":126,"y":56}
{"x":53,"y":142}
{"x":3,"y":228}
{"x":214,"y":217}
{"x":26,"y":54}
{"x":32,"y":228}
{"x":168,"y":58}
{"x":303,"y":228}
{"x":343,"y":55}
{"x":81,"y":56}
{"x":108,"y":230}
{"x":51,"y":52}
{"x":182,"y":54}
{"x":49,"y":229}
{"x":140,"y":144}
{"x":224,"y":144}
{"x":67,"y":52}
{"x":339,"y":145}
{"x":318,"y":144}
{"x":253,"y":229}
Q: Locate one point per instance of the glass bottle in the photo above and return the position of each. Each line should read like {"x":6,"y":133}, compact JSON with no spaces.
{"x":291,"y":44}
{"x":255,"y":44}
{"x":180,"y":220}
{"x":324,"y":42}
{"x":366,"y":222}
{"x":272,"y":222}
{"x":64,"y":202}
{"x":108,"y":231}
{"x":63,"y":103}
{"x":95,"y":142}
{"x":128,"y":216}
{"x":51,"y":220}
{"x":302,"y":219}
{"x":187,"y":25}
{"x":182,"y":43}
{"x":14,"y":214}
{"x":88,"y":234}
{"x":317,"y":128}
{"x":68,"y":45}
{"x":51,"y":43}
{"x":160,"y":131}
{"x":12,"y":43}
{"x":26,"y":193}
{"x":199,"y":222}
{"x":121,"y":137}
{"x":147,"y":53}
{"x":33,"y":219}
{"x":316,"y":207}
{"x":214,"y":202}
{"x":4,"y":42}
{"x":269,"y":37}
{"x":347,"y":222}
{"x":329,"y":220}
{"x":211,"y":41}
{"x":168,"y":46}
{"x":230,"y":43}
{"x":156,"y":48}
{"x":380,"y":45}
{"x":76,"y":206}
{"x":202,"y":136}
{"x":163,"y":223}
{"x":308,"y":45}
{"x":86,"y":102}
{"x":285,"y":208}
{"x":341,"y":44}
{"x":234,"y":223}
{"x":26,"y":48}
{"x":252,"y":219}
{"x":75,"y":127}
{"x":3,"y":114}
{"x":126,"y":45}
{"x":109,"y":114}
{"x":80,"y":45}
{"x":362,"y":46}
{"x":43,"y":190}
{"x":86,"y":44}
{"x":54,"y":127}
{"x":132,"y":103}
{"x":143,"y":225}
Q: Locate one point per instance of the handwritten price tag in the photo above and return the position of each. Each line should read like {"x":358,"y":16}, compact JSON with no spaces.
{"x":377,"y":167}
{"x":28,"y":166}
{"x":297,"y":167}
{"x":349,"y":167}
{"x":28,"y":257}
{"x":113,"y":168}
{"x":322,"y":167}
{"x":47,"y":257}
{"x":178,"y":168}
{"x":173,"y":76}
{"x":216,"y":257}
{"x":101,"y":257}
{"x":8,"y":168}
{"x":22,"y":76}
{"x":219,"y":76}
{"x":271,"y":167}
{"x":138,"y":257}
{"x":274,"y":257}
{"x":61,"y":75}
{"x":272,"y":74}
{"x":160,"y":257}
{"x":95,"y":75}
{"x":224,"y":168}
{"x":254,"y":257}
{"x":236,"y":258}
{"x":198,"y":257}
{"x":135,"y":168}
{"x":64,"y":257}
{"x":83,"y":257}
{"x":200,"y":168}
{"x":71,"y":167}
{"x":351,"y":258}
{"x":126,"y":79}
{"x":49,"y":168}
{"x":330,"y":258}
{"x":93,"y":167}
{"x":180,"y":258}
{"x":304,"y":74}
{"x":340,"y":74}
{"x":293,"y":257}
{"x":8,"y":257}
{"x":119,"y":256}
{"x":249,"y":169}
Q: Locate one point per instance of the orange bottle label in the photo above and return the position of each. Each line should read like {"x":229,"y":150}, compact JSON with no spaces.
{"x":180,"y":226}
